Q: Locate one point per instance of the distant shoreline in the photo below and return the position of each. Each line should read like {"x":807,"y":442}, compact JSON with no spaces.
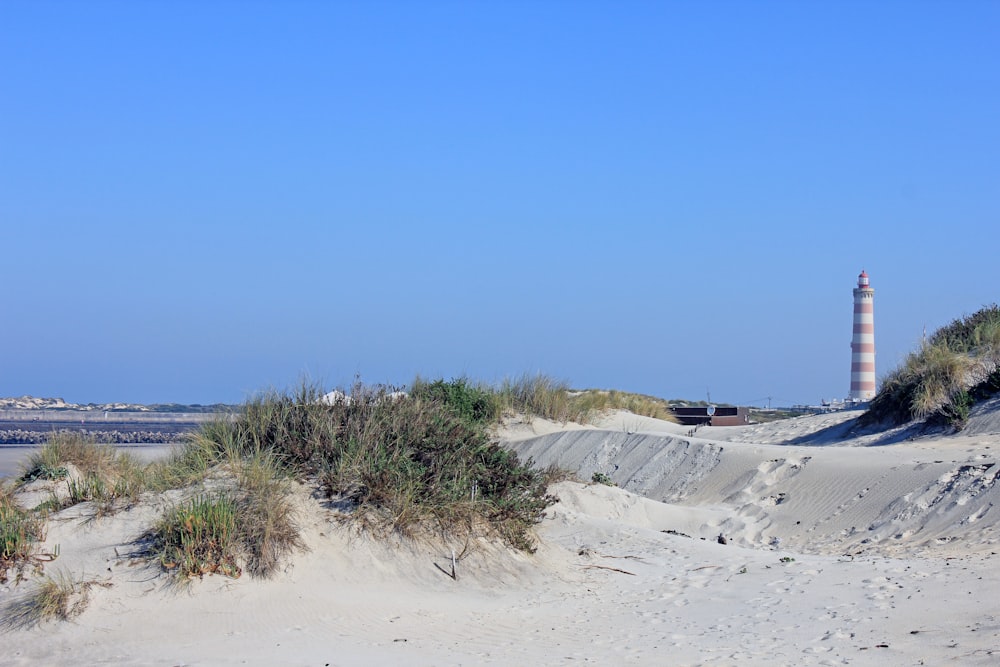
{"x":35,"y":427}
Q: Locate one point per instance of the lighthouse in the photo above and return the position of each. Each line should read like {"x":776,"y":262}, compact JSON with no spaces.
{"x":863,"y":342}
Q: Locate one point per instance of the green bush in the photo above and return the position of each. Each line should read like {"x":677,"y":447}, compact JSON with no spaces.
{"x":473,"y":403}
{"x":601,"y":478}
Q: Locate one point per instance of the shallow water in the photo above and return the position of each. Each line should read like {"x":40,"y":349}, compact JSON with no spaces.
{"x":13,"y":457}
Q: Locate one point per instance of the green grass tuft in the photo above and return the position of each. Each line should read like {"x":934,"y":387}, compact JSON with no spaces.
{"x":250,"y":525}
{"x":20,"y":530}
{"x":199,"y":537}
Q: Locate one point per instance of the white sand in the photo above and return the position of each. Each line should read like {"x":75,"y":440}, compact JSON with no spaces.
{"x":889,"y":559}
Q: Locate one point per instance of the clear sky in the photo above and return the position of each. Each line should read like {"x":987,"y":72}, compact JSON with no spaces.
{"x":200,"y":200}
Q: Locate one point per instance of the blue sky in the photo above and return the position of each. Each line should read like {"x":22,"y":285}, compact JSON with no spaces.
{"x":200,"y":200}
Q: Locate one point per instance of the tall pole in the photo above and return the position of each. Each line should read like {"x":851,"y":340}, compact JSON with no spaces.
{"x":863,"y":342}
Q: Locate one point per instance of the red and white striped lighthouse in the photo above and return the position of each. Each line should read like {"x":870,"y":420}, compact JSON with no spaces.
{"x":863,"y":342}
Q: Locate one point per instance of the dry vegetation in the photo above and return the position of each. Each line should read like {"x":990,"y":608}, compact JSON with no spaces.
{"x":956,"y":367}
{"x":422,"y":462}
{"x":57,"y":598}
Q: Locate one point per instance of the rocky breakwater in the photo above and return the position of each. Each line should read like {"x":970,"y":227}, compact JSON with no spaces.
{"x":20,"y":436}
{"x":28,"y":421}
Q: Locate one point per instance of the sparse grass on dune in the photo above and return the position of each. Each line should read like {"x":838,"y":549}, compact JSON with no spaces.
{"x":20,"y":531}
{"x":58,"y":597}
{"x":416,"y":463}
{"x":538,"y":396}
{"x":596,"y":401}
{"x":958,"y":365}
{"x":66,"y":447}
{"x":106,"y":475}
{"x":186,"y":465}
{"x":248,"y":524}
{"x":267,"y":530}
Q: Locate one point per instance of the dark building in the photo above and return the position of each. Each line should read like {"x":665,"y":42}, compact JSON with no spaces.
{"x":712,"y":415}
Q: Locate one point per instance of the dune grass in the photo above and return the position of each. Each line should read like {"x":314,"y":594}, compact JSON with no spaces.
{"x":408,"y":463}
{"x":54,"y":598}
{"x":199,"y":537}
{"x":20,"y":530}
{"x":422,"y":462}
{"x":247,"y":524}
{"x":66,"y":447}
{"x":537,"y":396}
{"x":957,"y":366}
{"x":588,"y":403}
{"x":106,"y":476}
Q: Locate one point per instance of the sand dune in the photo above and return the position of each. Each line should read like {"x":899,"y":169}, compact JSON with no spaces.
{"x":935,"y":495}
{"x":834,"y":554}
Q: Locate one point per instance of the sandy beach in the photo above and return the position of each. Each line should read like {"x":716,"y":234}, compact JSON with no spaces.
{"x":723,"y":546}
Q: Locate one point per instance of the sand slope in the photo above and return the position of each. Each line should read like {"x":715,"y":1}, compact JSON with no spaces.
{"x":622,"y":576}
{"x":935,"y":495}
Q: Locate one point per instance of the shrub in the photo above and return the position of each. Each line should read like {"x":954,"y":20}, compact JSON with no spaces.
{"x":405,"y":461}
{"x":601,"y":478}
{"x":44,"y":471}
{"x":471,"y":402}
{"x":987,"y":388}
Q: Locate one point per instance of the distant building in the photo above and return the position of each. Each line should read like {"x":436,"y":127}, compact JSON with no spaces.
{"x":711,"y":415}
{"x":863,"y":342}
